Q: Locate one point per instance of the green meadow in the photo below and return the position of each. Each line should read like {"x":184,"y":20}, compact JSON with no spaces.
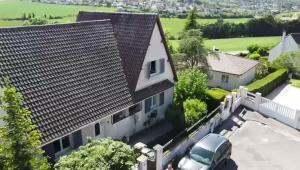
{"x":236,"y":44}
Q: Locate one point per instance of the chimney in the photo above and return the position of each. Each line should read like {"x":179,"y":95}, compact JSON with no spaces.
{"x":283,"y":34}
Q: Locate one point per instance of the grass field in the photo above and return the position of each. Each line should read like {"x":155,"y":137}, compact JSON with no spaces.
{"x":295,"y":83}
{"x":10,"y":9}
{"x":176,"y":25}
{"x":237,"y":44}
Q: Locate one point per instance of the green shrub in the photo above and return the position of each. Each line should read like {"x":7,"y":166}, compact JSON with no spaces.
{"x":215,"y":96}
{"x":192,"y":84}
{"x":175,"y":115}
{"x":194,"y":110}
{"x":254,"y":56}
{"x":269,"y":83}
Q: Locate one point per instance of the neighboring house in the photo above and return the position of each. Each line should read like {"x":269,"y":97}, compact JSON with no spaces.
{"x":289,"y":43}
{"x":230,"y":71}
{"x":105,"y":78}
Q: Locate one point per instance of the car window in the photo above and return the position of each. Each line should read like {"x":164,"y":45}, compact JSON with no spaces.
{"x":202,"y":155}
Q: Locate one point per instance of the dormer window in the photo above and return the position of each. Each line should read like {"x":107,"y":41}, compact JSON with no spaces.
{"x":153,"y":67}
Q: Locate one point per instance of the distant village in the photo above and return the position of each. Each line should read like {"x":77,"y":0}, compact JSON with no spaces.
{"x":208,"y":8}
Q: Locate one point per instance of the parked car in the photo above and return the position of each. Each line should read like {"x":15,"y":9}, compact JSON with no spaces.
{"x":210,"y":153}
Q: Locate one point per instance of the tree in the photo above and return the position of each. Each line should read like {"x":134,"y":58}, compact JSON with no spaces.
{"x":194,"y":110}
{"x":191,"y":22}
{"x":262,"y":70}
{"x":170,"y":47}
{"x":290,"y":61}
{"x":193,"y":54}
{"x":104,"y":154}
{"x":20,"y":139}
{"x":192,"y":84}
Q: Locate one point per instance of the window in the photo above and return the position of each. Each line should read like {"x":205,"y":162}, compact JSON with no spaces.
{"x":61,"y":144}
{"x":225,"y":78}
{"x":150,"y":104}
{"x":118,"y":117}
{"x":135,"y":108}
{"x":161,"y":98}
{"x":97,"y":129}
{"x":153,"y":67}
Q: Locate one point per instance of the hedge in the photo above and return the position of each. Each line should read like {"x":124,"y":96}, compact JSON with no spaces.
{"x":215,"y":96}
{"x":269,"y":83}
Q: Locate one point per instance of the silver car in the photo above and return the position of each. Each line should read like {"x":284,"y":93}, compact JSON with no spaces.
{"x":208,"y":154}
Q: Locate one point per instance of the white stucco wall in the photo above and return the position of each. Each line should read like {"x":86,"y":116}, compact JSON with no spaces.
{"x":156,"y":51}
{"x":216,"y":80}
{"x":246,"y":78}
{"x":234,"y":81}
{"x":127,"y":126}
{"x":288,"y":44}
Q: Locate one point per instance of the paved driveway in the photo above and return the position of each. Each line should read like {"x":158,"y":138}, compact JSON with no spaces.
{"x":287,"y":95}
{"x":261,"y":144}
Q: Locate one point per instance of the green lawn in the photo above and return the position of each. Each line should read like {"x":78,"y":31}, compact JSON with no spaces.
{"x":295,"y":83}
{"x":236,"y":44}
{"x":176,"y":25}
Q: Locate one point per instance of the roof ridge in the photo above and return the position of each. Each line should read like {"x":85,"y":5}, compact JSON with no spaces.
{"x":122,"y":13}
{"x":90,"y":22}
{"x":238,"y":56}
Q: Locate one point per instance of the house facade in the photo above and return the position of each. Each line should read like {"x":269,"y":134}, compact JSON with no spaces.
{"x":230,"y":71}
{"x":289,"y":43}
{"x":109,"y":76}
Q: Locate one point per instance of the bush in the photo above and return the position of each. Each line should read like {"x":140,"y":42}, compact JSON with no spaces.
{"x":194,"y":110}
{"x":269,"y":83}
{"x":192,"y":84}
{"x":175,"y":115}
{"x":254,"y":56}
{"x":215,"y":96}
{"x":104,"y":154}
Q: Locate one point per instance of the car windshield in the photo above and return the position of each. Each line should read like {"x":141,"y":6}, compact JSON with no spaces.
{"x":201,"y":155}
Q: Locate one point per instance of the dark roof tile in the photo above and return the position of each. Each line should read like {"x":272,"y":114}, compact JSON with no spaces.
{"x":69,"y":74}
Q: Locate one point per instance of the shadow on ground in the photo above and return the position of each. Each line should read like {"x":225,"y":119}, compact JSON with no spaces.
{"x":230,"y":165}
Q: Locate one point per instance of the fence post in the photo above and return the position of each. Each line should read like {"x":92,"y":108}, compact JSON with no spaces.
{"x":233,"y":94}
{"x":257,"y":101}
{"x":243,"y":91}
{"x":158,"y":157}
{"x":142,"y":162}
{"x":297,"y":120}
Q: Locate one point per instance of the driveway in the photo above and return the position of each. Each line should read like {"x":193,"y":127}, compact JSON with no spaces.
{"x":260,"y":143}
{"x":287,"y":95}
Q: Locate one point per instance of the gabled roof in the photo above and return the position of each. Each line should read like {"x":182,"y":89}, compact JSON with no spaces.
{"x":133,"y":33}
{"x":296,"y":37}
{"x":69,"y":74}
{"x":231,"y":64}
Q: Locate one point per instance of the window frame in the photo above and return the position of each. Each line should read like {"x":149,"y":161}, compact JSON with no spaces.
{"x":161,"y":102}
{"x":62,"y":148}
{"x":137,"y":105}
{"x":97,"y":135}
{"x":123,"y":112}
{"x":155,"y":67}
{"x":153,"y":100}
{"x":225,"y":78}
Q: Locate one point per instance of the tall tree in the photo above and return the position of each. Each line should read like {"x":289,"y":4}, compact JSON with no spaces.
{"x":20,"y":139}
{"x":191,"y":22}
{"x":193,"y":54}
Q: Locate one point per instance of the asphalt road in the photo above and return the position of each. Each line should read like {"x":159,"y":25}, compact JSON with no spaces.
{"x":264,"y":144}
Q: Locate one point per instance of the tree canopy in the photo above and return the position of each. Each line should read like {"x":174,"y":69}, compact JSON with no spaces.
{"x":192,"y":53}
{"x":104,"y":154}
{"x":191,"y":22}
{"x":192,"y":84}
{"x":20,"y":139}
{"x":290,"y":61}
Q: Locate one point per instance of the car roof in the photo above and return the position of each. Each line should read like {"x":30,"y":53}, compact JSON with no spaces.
{"x":211,"y":141}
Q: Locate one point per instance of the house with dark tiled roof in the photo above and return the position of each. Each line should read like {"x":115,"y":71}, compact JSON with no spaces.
{"x":230,"y":71}
{"x":289,"y":43}
{"x":109,"y":75}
